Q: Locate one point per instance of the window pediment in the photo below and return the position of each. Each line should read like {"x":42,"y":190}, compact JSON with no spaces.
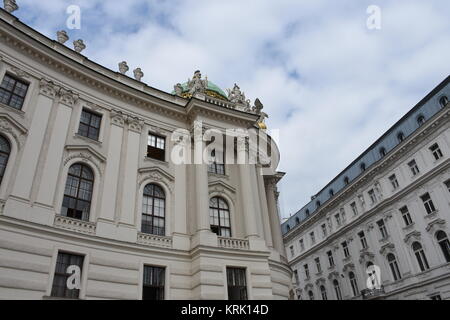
{"x":13,"y":127}
{"x":411,"y":237}
{"x":86,"y":154}
{"x":435,"y":225}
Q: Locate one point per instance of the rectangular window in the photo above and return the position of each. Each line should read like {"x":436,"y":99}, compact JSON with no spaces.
{"x":394,"y":181}
{"x":338,"y":219}
{"x":372,"y":196}
{"x":436,"y":151}
{"x":306,"y":270}
{"x":292,"y":250}
{"x":13,"y":92}
{"x":363,"y":239}
{"x":237,"y":284}
{"x":428,"y":203}
{"x":318,"y":266}
{"x":330,"y":225}
{"x":296,"y":277}
{"x":344,"y":218}
{"x":345,"y":249}
{"x":354,"y":208}
{"x":413,"y":167}
{"x":330,"y":258}
{"x":447,"y":184}
{"x":302,"y":244}
{"x":324,"y":230}
{"x":218,"y":163}
{"x":313,"y":238}
{"x":153,"y":284}
{"x":89,"y":125}
{"x":63,"y":272}
{"x":382,"y":228}
{"x":156,"y":147}
{"x":436,"y":297}
{"x":406,"y":216}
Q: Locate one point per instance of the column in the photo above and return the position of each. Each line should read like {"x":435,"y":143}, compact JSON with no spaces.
{"x":274,"y":218}
{"x":264,"y":208}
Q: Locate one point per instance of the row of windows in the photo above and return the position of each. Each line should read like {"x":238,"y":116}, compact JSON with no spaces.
{"x":78,"y":196}
{"x":340,"y":218}
{"x":428,"y":204}
{"x":153,"y":284}
{"x":416,"y":247}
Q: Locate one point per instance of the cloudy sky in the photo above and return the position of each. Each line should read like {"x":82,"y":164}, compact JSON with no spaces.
{"x":330,"y":84}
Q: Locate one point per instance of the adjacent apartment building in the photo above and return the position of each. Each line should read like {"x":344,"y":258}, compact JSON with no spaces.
{"x":380,"y":229}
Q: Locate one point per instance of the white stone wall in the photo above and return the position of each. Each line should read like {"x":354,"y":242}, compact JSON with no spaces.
{"x":414,"y":284}
{"x":45,"y":143}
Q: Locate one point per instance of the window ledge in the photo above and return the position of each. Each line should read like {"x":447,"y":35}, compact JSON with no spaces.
{"x":432,"y":215}
{"x":154,"y":240}
{"x":385,"y":239}
{"x":17,"y":111}
{"x":218,"y":175}
{"x":409,"y":227}
{"x":149,"y":159}
{"x":79,"y":136}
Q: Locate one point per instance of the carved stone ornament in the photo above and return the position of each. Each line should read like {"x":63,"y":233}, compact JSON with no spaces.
{"x":178,"y":88}
{"x":14,"y":129}
{"x":138,"y":74}
{"x":123,"y":67}
{"x":238,"y":99}
{"x":20,"y":73}
{"x":79,"y":45}
{"x":197,"y":85}
{"x":84,"y":157}
{"x":67,"y":97}
{"x":48,"y":88}
{"x":62,"y":36}
{"x":10,"y":5}
{"x":135,"y":124}
{"x":118,"y":118}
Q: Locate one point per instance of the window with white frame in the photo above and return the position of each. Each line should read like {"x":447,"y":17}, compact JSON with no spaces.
{"x":337,"y":289}
{"x":302,"y":244}
{"x":362,"y":238}
{"x":436,"y":151}
{"x":443,"y":242}
{"x":89,"y":126}
{"x":428,"y":203}
{"x":372,"y":196}
{"x":313,"y":238}
{"x":156,"y":147}
{"x":420,"y":256}
{"x":353,"y":283}
{"x":66,"y":265}
{"x":330,"y":258}
{"x":345,"y":249}
{"x":394,"y":181}
{"x":413,"y":167}
{"x":393,"y":265}
{"x":13,"y":92}
{"x":306,"y":268}
{"x":354,"y":208}
{"x":324,"y":230}
{"x":318,"y":266}
{"x":406,"y":215}
{"x":382,"y":228}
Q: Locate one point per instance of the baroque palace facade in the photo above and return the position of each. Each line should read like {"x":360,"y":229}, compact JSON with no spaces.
{"x":92,"y":205}
{"x":380,"y":229}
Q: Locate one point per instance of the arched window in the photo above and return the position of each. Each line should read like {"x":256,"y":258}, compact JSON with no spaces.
{"x":353,"y":283}
{"x":420,"y":256}
{"x":382,"y":152}
{"x":153,"y":210}
{"x":362,"y":167}
{"x":5,"y":151}
{"x":394,"y":266}
{"x":311,"y":295}
{"x":400,"y":136}
{"x":346,"y":180}
{"x":444,"y":244}
{"x":297,"y":220}
{"x":337,"y":289}
{"x":323,"y":293}
{"x":420,"y":120}
{"x":78,"y":192}
{"x":443,"y":101}
{"x":219,"y":215}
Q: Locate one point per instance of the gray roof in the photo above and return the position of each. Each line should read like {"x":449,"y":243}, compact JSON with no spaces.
{"x":407,"y":125}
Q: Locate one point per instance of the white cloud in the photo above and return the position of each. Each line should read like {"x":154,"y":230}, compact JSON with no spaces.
{"x":351,"y":83}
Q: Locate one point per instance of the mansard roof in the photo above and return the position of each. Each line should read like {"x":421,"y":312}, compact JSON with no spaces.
{"x":407,"y":125}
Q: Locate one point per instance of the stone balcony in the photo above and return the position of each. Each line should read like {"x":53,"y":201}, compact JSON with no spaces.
{"x":154,"y":240}
{"x":231,"y":243}
{"x":372,"y":294}
{"x":76,"y":225}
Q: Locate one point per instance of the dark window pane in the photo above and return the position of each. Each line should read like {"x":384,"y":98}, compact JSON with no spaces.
{"x":153,"y":283}
{"x":13,"y":92}
{"x":59,"y":287}
{"x":89,"y":125}
{"x":237,"y":284}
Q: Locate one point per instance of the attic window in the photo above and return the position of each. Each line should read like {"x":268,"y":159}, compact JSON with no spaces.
{"x":362,"y":167}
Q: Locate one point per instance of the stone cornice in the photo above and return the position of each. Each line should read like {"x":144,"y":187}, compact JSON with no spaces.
{"x":372,"y":174}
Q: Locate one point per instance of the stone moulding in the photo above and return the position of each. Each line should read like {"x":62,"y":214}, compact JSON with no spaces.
{"x":232,"y":243}
{"x":154,"y":240}
{"x":74,"y":225}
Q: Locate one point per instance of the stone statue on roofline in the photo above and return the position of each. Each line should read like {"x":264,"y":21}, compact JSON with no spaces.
{"x":262,"y":115}
{"x":238,"y":98}
{"x":178,"y":88}
{"x":197,"y":84}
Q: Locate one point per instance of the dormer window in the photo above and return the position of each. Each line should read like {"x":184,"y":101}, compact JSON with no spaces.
{"x":420,"y":120}
{"x":317,"y":204}
{"x":362,"y":167}
{"x":331,"y":192}
{"x":382,"y":152}
{"x":346,"y":180}
{"x":443,"y":101}
{"x":400,"y":136}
